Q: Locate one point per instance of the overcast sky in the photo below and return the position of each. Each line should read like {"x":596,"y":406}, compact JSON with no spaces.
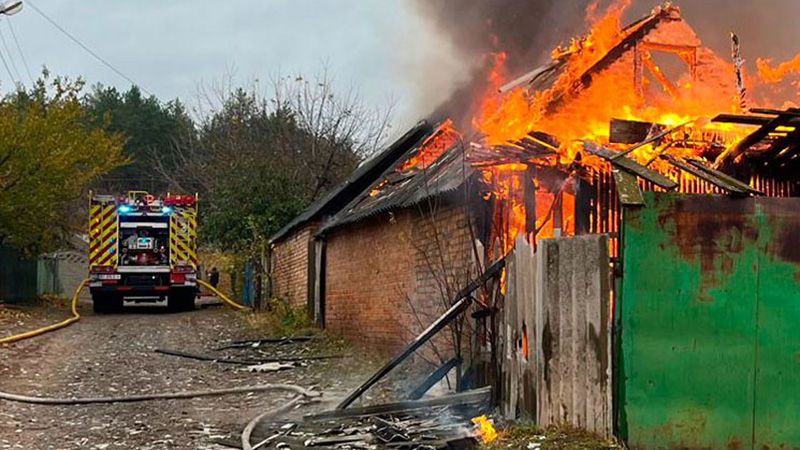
{"x":168,"y":47}
{"x":380,"y":46}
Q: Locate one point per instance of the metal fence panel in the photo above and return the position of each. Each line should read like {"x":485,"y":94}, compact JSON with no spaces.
{"x":777,"y":401}
{"x":17,"y":276}
{"x":706,"y":316}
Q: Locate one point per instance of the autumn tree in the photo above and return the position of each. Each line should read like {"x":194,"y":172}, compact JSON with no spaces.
{"x":50,"y":151}
{"x":258,"y":160}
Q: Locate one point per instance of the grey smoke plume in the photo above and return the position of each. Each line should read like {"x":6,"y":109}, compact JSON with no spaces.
{"x":527,"y":30}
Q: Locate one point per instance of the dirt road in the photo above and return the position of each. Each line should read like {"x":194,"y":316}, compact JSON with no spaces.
{"x":113,"y":355}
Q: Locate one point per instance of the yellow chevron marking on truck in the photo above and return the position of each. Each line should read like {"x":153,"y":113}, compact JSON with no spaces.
{"x":103,"y":229}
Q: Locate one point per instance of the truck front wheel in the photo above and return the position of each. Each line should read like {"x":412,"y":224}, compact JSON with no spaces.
{"x":105,"y":303}
{"x":181,"y":300}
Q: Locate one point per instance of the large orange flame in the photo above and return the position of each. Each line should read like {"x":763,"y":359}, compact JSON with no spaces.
{"x":579,"y":104}
{"x":444,"y":138}
{"x":774,"y":75}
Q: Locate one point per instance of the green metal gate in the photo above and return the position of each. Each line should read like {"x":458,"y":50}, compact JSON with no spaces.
{"x":708,"y":314}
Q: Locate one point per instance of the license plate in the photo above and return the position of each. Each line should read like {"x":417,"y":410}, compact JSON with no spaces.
{"x":110,"y":276}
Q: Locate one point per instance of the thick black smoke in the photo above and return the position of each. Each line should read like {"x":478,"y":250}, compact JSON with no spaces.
{"x":527,"y":30}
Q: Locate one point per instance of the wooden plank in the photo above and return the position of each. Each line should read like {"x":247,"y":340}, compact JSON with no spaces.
{"x":724,"y":177}
{"x":740,"y":119}
{"x":510,"y":389}
{"x":539,"y":347}
{"x":434,"y":378}
{"x":598,"y":337}
{"x":631,"y":166}
{"x":475,"y":396}
{"x":525,"y":322}
{"x":580,"y":361}
{"x":595,"y":413}
{"x":553,"y":334}
{"x":791,"y":112}
{"x":685,"y":166}
{"x":566,"y":355}
{"x":628,"y":190}
{"x":628,"y":131}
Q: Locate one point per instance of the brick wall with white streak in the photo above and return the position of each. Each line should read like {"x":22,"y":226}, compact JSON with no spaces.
{"x":290,"y":259}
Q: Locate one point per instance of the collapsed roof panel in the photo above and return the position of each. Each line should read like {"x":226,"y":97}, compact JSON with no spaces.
{"x":407,"y":183}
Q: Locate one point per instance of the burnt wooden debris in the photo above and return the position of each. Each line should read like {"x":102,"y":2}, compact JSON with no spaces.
{"x":631,"y":166}
{"x":460,"y":303}
{"x":435,"y":377}
{"x":630,"y":194}
{"x":773,"y":148}
{"x":437,"y":423}
{"x":534,"y":146}
{"x":648,"y":140}
{"x":266,"y":341}
{"x":630,"y":131}
{"x":249,"y":355}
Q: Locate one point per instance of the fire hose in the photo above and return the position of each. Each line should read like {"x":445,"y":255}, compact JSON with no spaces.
{"x":147,"y":397}
{"x":302,"y":393}
{"x":76,"y":316}
{"x":248,"y":430}
{"x":223,"y":297}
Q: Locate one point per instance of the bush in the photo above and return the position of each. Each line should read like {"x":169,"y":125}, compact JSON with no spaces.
{"x":281,"y":320}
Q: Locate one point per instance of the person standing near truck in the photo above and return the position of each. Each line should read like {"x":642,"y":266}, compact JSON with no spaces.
{"x":213,"y":277}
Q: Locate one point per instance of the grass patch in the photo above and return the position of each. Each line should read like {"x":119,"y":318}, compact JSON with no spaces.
{"x":280,"y":320}
{"x":529,"y":437}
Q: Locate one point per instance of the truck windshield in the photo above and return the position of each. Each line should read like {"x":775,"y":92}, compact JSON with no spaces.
{"x":144,"y":244}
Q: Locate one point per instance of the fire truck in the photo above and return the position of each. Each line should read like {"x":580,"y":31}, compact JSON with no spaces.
{"x":142,"y":248}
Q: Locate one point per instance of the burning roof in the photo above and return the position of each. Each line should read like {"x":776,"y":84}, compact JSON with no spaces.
{"x":435,"y":166}
{"x":637,"y":98}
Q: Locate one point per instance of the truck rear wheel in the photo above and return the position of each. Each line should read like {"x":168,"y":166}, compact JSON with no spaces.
{"x":181,"y":300}
{"x":106,"y":303}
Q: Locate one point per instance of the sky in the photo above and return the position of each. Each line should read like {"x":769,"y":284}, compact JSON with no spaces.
{"x":384,"y":48}
{"x":170,"y":47}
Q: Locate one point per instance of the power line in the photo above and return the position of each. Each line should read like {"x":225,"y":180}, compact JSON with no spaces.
{"x":10,"y":55}
{"x":5,"y":64}
{"x":83,"y":46}
{"x":19,"y":49}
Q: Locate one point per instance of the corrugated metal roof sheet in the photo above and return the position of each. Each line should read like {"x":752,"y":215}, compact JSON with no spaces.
{"x":401,"y":190}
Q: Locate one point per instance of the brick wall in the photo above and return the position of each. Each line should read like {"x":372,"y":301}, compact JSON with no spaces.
{"x":369,"y":270}
{"x":385,"y":280}
{"x":290,"y":260}
{"x":443,"y":265}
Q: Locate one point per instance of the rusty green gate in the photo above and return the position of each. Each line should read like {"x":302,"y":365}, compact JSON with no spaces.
{"x":708,"y":317}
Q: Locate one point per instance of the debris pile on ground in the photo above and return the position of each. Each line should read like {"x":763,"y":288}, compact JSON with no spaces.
{"x":274,"y":359}
{"x":437,"y":423}
{"x":11,"y":315}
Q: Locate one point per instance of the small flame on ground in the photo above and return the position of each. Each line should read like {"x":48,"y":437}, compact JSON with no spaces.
{"x":484,"y":429}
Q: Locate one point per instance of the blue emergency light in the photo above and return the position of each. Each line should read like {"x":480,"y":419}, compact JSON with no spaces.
{"x":125,"y":209}
{"x":166,"y":210}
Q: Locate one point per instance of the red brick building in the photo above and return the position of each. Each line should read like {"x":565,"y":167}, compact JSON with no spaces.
{"x":292,"y":249}
{"x":386,"y":263}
